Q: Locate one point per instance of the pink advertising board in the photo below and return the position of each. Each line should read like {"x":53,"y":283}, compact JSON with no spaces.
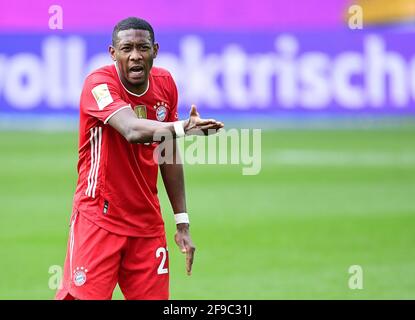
{"x":232,"y":15}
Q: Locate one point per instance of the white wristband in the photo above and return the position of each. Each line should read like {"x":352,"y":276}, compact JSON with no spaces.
{"x":181,"y":217}
{"x":179,"y":129}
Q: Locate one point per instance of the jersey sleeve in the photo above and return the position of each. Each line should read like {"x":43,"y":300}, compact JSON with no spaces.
{"x":101,"y":98}
{"x":173,"y":116}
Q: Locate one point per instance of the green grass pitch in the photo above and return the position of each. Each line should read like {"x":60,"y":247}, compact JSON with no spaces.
{"x":323,"y":201}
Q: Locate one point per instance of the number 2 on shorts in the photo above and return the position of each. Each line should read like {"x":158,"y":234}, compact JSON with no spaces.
{"x":161,"y":269}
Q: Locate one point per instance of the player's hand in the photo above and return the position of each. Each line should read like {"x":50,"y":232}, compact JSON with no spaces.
{"x":198,"y":126}
{"x":184,"y":241}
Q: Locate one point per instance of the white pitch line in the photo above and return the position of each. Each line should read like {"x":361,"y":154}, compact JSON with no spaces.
{"x":340,"y":158}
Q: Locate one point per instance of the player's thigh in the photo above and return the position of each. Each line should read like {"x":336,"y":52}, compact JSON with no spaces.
{"x":144,"y":272}
{"x":92,"y":261}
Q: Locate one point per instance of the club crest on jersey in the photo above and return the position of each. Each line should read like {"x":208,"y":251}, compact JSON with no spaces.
{"x":141,"y":111}
{"x":161,"y":111}
{"x":79,"y":276}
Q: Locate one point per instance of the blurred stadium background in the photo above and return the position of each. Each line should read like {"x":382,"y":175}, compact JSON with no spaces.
{"x":336,"y":106}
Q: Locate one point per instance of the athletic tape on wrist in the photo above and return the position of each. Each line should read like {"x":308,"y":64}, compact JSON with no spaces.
{"x":181,"y":217}
{"x":179,"y":129}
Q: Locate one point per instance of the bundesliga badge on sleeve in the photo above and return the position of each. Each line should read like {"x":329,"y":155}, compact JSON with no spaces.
{"x":102,"y":96}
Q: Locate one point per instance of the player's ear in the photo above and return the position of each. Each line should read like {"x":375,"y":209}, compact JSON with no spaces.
{"x":111,"y":50}
{"x":155,"y":49}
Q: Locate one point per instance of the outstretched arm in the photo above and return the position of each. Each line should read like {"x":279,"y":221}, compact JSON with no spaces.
{"x":142,"y":130}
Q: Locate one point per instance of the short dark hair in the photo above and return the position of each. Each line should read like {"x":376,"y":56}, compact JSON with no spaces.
{"x":132,"y":23}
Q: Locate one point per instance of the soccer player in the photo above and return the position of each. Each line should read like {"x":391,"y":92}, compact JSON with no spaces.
{"x":116,"y":229}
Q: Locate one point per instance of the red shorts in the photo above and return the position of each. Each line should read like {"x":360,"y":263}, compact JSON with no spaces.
{"x":97,"y":260}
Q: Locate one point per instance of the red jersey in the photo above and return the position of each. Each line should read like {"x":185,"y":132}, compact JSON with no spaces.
{"x":117,"y":183}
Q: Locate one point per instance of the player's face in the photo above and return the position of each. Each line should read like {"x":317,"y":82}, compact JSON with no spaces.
{"x":134,"y":53}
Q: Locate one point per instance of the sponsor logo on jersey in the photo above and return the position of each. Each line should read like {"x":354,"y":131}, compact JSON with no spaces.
{"x":141,"y":111}
{"x":79,"y":276}
{"x":102,"y":95}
